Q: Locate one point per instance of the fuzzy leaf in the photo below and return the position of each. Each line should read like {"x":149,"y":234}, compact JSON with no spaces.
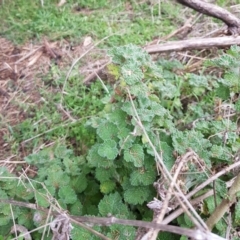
{"x":191,"y":139}
{"x":122,"y":232}
{"x":237,"y":213}
{"x":146,"y":114}
{"x":107,"y":131}
{"x":107,"y":187}
{"x":95,"y":160}
{"x":104,"y":174}
{"x":113,"y":70}
{"x":137,"y":195}
{"x":139,"y":90}
{"x":78,"y":233}
{"x":62,"y":152}
{"x":56,"y":177}
{"x":67,"y":195}
{"x":79,"y":183}
{"x":143,"y":177}
{"x":129,"y":53}
{"x":135,"y":155}
{"x":126,"y":138}
{"x":92,"y":188}
{"x":108,"y":149}
{"x":44,"y":157}
{"x":222,"y":226}
{"x":168,"y":236}
{"x":112,"y":204}
{"x":127,"y":107}
{"x":71,"y":166}
{"x":24,"y":191}
{"x":211,"y":203}
{"x":76,"y":208}
{"x":41,"y":198}
{"x":118,"y":117}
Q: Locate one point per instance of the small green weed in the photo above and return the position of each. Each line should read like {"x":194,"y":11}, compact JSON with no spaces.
{"x":23,"y":21}
{"x":49,"y":122}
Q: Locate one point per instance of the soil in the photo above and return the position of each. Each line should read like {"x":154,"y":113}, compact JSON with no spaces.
{"x":21,"y":71}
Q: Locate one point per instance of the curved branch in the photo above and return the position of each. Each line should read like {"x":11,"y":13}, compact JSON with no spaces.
{"x":212,"y":10}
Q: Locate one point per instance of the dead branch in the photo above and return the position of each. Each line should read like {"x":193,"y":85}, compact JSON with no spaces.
{"x":194,"y":44}
{"x":215,"y":11}
{"x":106,"y":221}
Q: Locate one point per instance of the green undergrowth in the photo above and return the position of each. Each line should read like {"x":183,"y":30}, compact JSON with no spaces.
{"x":127,"y":21}
{"x":103,"y":164}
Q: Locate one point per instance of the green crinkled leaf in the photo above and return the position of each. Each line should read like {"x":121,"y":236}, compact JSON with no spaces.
{"x":159,"y":110}
{"x":107,"y":187}
{"x":104,"y":174}
{"x":25,"y":218}
{"x":139,"y":90}
{"x":95,"y":160}
{"x":168,"y":236}
{"x":122,"y":232}
{"x":8,"y":184}
{"x":61,"y":152}
{"x":188,"y":221}
{"x":237,"y":213}
{"x":67,"y":195}
{"x":223,"y":91}
{"x":126,"y":138}
{"x":4,"y":196}
{"x":170,"y":65}
{"x":144,"y":101}
{"x":78,"y":233}
{"x":211,"y":203}
{"x":92,"y":188}
{"x":166,"y":88}
{"x":181,"y":221}
{"x":5,"y":219}
{"x":113,"y":70}
{"x":107,"y":131}
{"x":112,"y":204}
{"x":118,"y":117}
{"x":146,"y":114}
{"x":127,"y":107}
{"x":221,"y":153}
{"x":198,"y":80}
{"x":42,"y":199}
{"x":237,"y":105}
{"x":24,"y":191}
{"x":76,"y":208}
{"x":143,"y":177}
{"x":56,"y":177}
{"x":168,"y":158}
{"x":135,"y":155}
{"x":222,"y":226}
{"x":137,"y":195}
{"x":41,"y":158}
{"x":191,"y":139}
{"x":108,"y":149}
{"x":184,"y":238}
{"x":221,"y":188}
{"x":71,"y":166}
{"x":79,"y":183}
{"x":129,"y":53}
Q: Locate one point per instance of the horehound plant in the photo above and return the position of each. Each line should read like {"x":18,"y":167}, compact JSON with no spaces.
{"x":143,"y":129}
